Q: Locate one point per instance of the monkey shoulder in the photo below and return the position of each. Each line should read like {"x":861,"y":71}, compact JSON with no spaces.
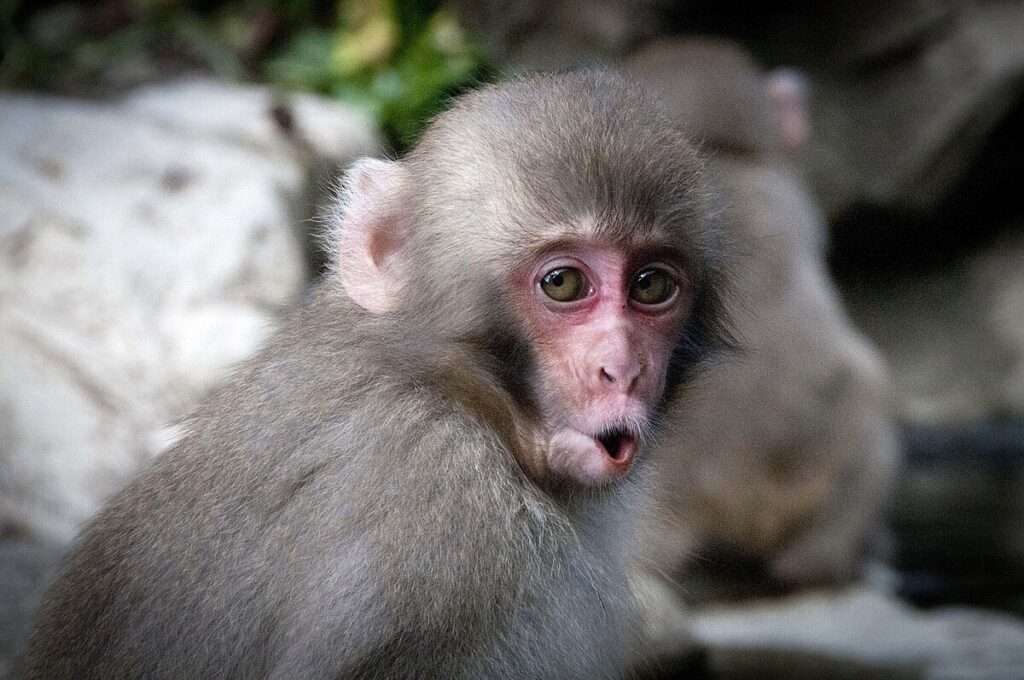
{"x":432,"y":527}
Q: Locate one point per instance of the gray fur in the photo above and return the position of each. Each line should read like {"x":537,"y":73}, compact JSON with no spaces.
{"x":351,"y":504}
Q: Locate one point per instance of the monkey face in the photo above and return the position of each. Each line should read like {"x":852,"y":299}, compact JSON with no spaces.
{"x":572,"y":240}
{"x":602,"y":321}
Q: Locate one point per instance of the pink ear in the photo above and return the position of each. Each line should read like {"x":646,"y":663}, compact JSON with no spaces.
{"x":372,"y":234}
{"x":787,"y":94}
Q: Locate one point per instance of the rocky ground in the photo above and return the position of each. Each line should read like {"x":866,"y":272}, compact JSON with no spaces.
{"x":858,"y":633}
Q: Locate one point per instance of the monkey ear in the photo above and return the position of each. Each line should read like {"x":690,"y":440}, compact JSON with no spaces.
{"x":372,"y":233}
{"x":787,"y":95}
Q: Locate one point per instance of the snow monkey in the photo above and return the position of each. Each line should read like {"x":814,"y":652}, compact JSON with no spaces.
{"x":432,"y":469}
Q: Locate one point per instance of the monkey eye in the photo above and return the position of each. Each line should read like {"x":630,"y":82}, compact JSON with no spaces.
{"x":652,"y":287}
{"x":565,"y":284}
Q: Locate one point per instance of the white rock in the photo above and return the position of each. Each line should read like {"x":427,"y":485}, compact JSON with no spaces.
{"x":145,"y":248}
{"x":999,"y":279}
{"x":859,"y":634}
{"x":954,"y":338}
{"x":242,"y":114}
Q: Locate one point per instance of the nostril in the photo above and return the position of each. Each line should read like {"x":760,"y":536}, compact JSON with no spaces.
{"x":624,"y":381}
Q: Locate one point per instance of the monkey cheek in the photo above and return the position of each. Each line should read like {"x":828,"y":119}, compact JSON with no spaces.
{"x":577,"y":456}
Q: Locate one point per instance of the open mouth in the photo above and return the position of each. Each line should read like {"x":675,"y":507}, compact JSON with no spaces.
{"x":593,"y":459}
{"x":619,"y":444}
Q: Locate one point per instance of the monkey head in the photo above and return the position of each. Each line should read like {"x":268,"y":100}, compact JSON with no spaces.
{"x":563,"y":222}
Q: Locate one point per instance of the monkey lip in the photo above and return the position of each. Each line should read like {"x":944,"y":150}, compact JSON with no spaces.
{"x":619,"y":445}
{"x":593,"y":460}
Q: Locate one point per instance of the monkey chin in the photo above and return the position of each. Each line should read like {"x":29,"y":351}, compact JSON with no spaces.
{"x":592,"y":460}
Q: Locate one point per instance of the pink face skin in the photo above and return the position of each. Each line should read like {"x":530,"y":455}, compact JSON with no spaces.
{"x":602,"y":356}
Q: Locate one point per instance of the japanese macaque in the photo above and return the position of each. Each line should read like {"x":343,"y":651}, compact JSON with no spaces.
{"x":431,"y":471}
{"x":778,"y":461}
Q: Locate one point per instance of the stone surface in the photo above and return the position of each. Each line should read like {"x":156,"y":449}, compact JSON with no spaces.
{"x":540,"y":35}
{"x":259,"y":117}
{"x":906,"y":92}
{"x":146,"y":246}
{"x":859,"y":634}
{"x":998,"y":274}
{"x":954,"y":337}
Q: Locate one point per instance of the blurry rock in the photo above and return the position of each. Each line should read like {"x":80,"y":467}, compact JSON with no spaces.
{"x":930,"y":330}
{"x":537,"y":34}
{"x":958,"y":516}
{"x":315,"y":133}
{"x":907,"y":93}
{"x":858,"y":634}
{"x":143,"y":252}
{"x":998,"y":277}
{"x":954,"y":336}
{"x":260,"y":117}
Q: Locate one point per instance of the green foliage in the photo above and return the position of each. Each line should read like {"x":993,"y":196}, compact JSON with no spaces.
{"x":397,"y":58}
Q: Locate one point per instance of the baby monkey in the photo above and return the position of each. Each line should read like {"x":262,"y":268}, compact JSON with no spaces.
{"x":431,"y":471}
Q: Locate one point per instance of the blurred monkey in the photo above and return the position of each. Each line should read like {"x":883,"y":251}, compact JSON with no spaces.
{"x":784,"y":455}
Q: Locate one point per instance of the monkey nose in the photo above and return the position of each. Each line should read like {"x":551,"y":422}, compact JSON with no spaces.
{"x":621,"y":376}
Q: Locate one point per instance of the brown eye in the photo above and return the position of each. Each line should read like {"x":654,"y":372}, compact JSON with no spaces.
{"x":652,"y":287}
{"x":564,"y":284}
